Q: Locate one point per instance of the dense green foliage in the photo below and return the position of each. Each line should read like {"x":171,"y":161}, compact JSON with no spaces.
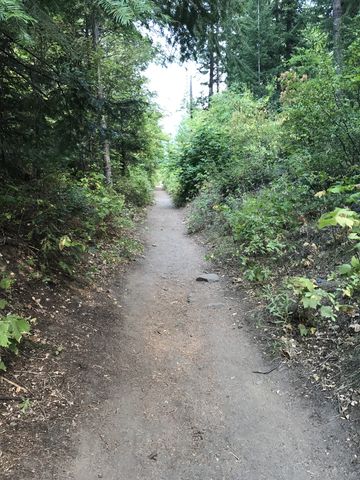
{"x":73,"y":105}
{"x":248,"y":42}
{"x":79,"y":136}
{"x":261,"y":172}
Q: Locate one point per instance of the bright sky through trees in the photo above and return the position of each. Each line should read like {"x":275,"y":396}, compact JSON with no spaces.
{"x":171,"y":84}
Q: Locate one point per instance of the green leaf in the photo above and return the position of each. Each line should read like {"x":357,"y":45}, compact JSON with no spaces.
{"x":5,"y":283}
{"x":125,"y":12}
{"x":327,"y":312}
{"x":343,"y":217}
{"x":354,"y":236}
{"x":25,"y":405}
{"x":327,"y":220}
{"x":2,"y":366}
{"x":303,"y":283}
{"x":345,"y":269}
{"x":355,"y":197}
{"x":347,"y":291}
{"x":13,"y":10}
{"x":341,"y":188}
{"x":335,"y":189}
{"x":3,"y":304}
{"x":303,"y":330}
{"x":355,"y":262}
{"x":64,"y":242}
{"x":18,"y":326}
{"x":311,"y":301}
{"x":4,"y":333}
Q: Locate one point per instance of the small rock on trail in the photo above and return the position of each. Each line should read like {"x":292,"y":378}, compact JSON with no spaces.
{"x":208,"y":277}
{"x":216,"y":306}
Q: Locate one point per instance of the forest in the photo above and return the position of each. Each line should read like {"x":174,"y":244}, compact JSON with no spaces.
{"x":266,"y":163}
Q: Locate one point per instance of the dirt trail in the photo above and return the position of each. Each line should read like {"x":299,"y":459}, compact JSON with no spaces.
{"x":184,"y":403}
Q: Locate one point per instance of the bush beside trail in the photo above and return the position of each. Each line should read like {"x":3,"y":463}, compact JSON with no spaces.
{"x":274,"y":184}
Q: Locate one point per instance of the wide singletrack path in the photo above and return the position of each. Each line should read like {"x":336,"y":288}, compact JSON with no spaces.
{"x":184,"y":403}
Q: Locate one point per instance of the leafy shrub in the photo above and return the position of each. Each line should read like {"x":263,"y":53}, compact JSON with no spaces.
{"x":280,"y":304}
{"x":203,"y":212}
{"x":320,"y":109}
{"x":12,"y":329}
{"x":136,"y":187}
{"x":259,"y":223}
{"x":255,"y":171}
{"x":60,"y":218}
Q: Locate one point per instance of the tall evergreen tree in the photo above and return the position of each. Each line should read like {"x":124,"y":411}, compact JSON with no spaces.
{"x":252,"y":43}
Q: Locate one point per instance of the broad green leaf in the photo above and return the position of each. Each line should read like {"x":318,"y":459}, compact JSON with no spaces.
{"x":303,"y":283}
{"x":345,"y":269}
{"x":342,"y":217}
{"x":355,"y":262}
{"x":4,"y":333}
{"x":5,"y":283}
{"x":342,"y":188}
{"x":64,"y":242}
{"x":311,"y":300}
{"x":18,"y":326}
{"x":345,"y":217}
{"x":303,"y":330}
{"x":336,"y":189}
{"x":3,"y":304}
{"x":2,"y":366}
{"x":354,"y":236}
{"x":327,"y":312}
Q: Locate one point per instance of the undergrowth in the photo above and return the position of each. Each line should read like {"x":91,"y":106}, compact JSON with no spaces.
{"x":53,"y":228}
{"x":274,"y":184}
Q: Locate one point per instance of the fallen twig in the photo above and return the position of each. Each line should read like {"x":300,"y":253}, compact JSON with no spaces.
{"x":267,"y":372}
{"x":235,"y":456}
{"x":14,"y":384}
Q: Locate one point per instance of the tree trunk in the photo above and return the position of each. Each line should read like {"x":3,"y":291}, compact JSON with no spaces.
{"x":106,"y":153}
{"x":101,"y":97}
{"x":211,"y":73}
{"x":337,"y":14}
{"x":289,"y":25}
{"x":191,"y":106}
{"x":218,"y":58}
{"x":258,"y":44}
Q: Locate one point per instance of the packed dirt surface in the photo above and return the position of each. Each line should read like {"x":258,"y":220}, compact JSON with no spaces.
{"x":183,"y":401}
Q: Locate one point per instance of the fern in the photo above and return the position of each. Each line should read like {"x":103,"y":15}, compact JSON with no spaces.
{"x":13,"y":10}
{"x":126,"y":11}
